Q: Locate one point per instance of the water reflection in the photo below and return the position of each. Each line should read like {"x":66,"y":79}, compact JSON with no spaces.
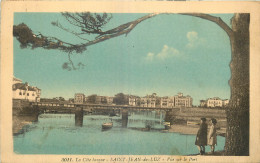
{"x":132,"y":119}
{"x":124,"y":118}
{"x":79,"y":117}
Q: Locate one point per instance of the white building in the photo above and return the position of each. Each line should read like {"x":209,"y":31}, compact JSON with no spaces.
{"x":164,"y":102}
{"x":23,"y":91}
{"x":182,"y":101}
{"x":109,"y":99}
{"x":132,"y":100}
{"x":214,"y":102}
{"x":79,"y":98}
{"x":148,"y":101}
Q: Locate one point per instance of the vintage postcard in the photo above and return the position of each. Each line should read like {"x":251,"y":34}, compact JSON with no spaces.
{"x":86,"y":81}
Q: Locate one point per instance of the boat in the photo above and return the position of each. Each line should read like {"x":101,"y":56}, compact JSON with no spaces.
{"x":192,"y":123}
{"x":107,"y":125}
{"x":167,"y":125}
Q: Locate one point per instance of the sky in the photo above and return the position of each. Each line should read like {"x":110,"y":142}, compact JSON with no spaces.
{"x":166,"y":54}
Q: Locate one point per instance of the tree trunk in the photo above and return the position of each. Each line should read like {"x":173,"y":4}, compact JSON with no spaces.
{"x":237,"y":137}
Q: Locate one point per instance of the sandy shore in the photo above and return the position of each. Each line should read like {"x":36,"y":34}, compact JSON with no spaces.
{"x":190,"y":129}
{"x":184,"y":129}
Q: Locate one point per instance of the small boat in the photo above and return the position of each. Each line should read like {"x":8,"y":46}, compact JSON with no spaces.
{"x":192,"y":123}
{"x":167,"y":125}
{"x":107,"y":125}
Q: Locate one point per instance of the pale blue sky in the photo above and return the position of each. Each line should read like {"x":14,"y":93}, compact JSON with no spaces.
{"x":166,"y":54}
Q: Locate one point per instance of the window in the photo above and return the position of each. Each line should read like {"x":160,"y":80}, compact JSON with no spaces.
{"x":27,"y":94}
{"x":23,"y":93}
{"x":20,"y":93}
{"x":33,"y":94}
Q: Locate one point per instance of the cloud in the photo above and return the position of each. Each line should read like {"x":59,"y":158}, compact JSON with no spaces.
{"x":166,"y":52}
{"x":193,"y":39}
{"x":149,"y":56}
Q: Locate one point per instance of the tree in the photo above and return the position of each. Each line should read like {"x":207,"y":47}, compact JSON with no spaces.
{"x":120,"y":99}
{"x":237,"y":137}
{"x":61,"y":99}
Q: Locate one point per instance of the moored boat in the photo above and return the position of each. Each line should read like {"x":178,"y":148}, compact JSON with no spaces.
{"x":107,"y":125}
{"x":167,"y":125}
{"x":192,"y":123}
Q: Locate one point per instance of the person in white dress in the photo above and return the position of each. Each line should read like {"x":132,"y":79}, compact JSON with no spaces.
{"x":212,"y":135}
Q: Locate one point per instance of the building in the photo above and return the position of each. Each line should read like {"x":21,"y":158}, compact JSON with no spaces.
{"x":182,"y":101}
{"x":104,"y":100}
{"x":110,"y":100}
{"x":134,"y":100}
{"x":79,"y":98}
{"x":164,"y":102}
{"x":101,"y":100}
{"x":23,"y":91}
{"x":214,"y":102}
{"x":149,"y":101}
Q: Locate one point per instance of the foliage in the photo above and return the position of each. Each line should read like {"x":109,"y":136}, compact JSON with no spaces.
{"x":121,"y":99}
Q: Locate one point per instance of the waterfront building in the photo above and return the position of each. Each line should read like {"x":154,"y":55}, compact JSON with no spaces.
{"x":164,"y":102}
{"x":182,"y":101}
{"x":101,"y":100}
{"x":148,"y":101}
{"x":23,"y":91}
{"x":98,"y":99}
{"x":171,"y":102}
{"x":79,"y":98}
{"x":104,"y":100}
{"x":110,"y":100}
{"x":133,"y":100}
{"x":214,"y":102}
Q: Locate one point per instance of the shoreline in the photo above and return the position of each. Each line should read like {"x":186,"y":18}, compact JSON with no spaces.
{"x":190,"y":130}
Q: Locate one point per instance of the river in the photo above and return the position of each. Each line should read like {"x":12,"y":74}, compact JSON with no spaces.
{"x":57,"y":134}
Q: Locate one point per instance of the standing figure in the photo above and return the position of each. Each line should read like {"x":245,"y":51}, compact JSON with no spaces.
{"x":212,"y":136}
{"x":201,"y":138}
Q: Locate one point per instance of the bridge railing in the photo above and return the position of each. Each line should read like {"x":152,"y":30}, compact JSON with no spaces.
{"x":53,"y":104}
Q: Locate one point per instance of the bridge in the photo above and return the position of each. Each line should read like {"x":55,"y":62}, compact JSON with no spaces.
{"x":81,"y":109}
{"x":91,"y":107}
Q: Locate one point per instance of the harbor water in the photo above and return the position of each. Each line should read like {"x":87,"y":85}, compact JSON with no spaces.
{"x":58,"y":134}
